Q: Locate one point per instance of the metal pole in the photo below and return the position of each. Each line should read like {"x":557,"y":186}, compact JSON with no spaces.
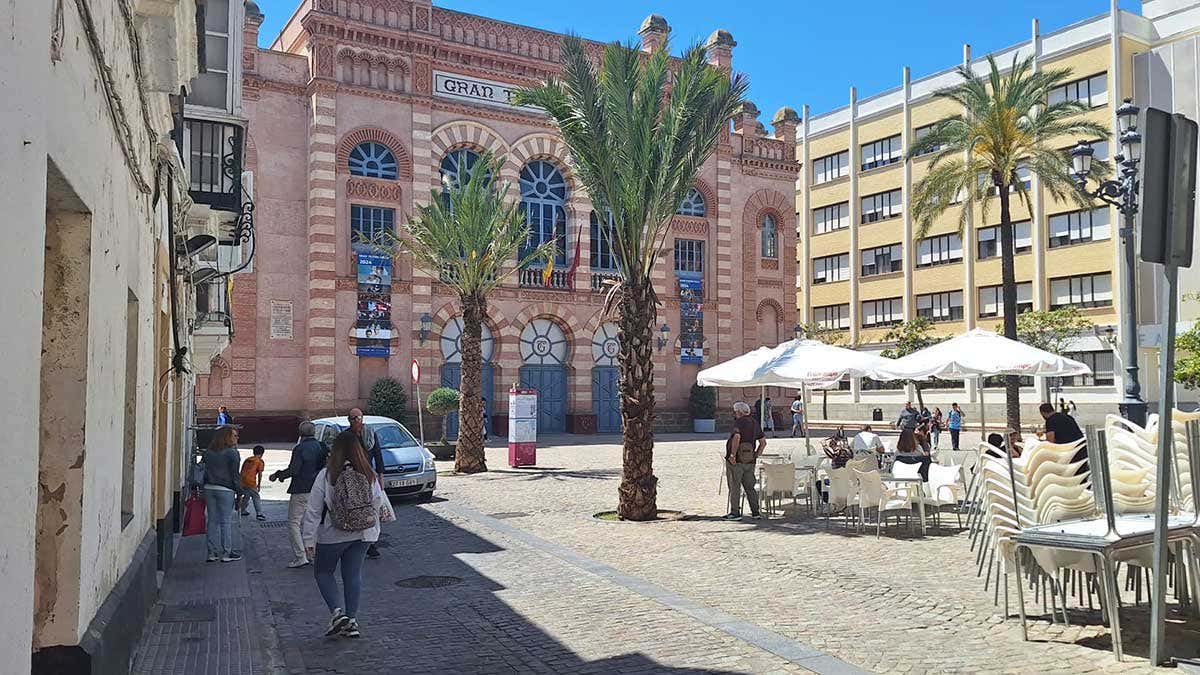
{"x":807,"y":443}
{"x":1132,"y":407}
{"x":420,"y":417}
{"x":982,"y":414}
{"x":1166,"y":437}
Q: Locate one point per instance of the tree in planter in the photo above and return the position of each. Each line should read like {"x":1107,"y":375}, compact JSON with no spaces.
{"x":702,"y":403}
{"x":1006,"y":125}
{"x":829,"y":336}
{"x":637,"y":151}
{"x":911,"y":336}
{"x":387,"y":399}
{"x":1052,"y":330}
{"x":468,"y":236}
{"x":442,"y":402}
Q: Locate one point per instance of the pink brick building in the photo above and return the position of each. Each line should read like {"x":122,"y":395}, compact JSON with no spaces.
{"x":355,"y":114}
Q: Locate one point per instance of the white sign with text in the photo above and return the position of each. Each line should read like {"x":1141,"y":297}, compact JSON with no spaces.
{"x":475,"y":90}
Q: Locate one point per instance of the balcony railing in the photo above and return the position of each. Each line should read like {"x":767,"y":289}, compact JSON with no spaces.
{"x":212,"y":305}
{"x":213,"y":151}
{"x":533,"y":278}
{"x":599,"y":277}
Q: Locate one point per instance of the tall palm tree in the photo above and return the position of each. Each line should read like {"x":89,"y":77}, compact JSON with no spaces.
{"x":468,"y":236}
{"x":637,"y":148}
{"x":1006,"y":122}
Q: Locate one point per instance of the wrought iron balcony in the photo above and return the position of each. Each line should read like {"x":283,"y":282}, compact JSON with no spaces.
{"x":533,"y":278}
{"x":212,"y":305}
{"x":213,"y":151}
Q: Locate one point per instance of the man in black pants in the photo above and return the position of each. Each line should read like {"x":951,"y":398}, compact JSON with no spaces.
{"x":366,"y":438}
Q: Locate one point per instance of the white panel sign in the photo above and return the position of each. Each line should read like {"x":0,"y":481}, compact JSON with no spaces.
{"x":475,"y":90}
{"x":281,"y":320}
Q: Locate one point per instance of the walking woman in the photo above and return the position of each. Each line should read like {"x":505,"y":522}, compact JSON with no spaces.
{"x":222,"y":488}
{"x":935,"y":425}
{"x":341,"y":521}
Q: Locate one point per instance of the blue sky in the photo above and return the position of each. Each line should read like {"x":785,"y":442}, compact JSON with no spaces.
{"x":803,"y":51}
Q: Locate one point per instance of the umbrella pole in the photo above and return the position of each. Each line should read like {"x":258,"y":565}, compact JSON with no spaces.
{"x":762,"y":407}
{"x":982,"y":412}
{"x":804,"y":397}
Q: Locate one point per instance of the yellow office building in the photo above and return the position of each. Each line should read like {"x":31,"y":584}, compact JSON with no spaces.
{"x":861,"y":267}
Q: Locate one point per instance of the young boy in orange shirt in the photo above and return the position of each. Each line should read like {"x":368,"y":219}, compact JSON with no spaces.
{"x":252,"y":470}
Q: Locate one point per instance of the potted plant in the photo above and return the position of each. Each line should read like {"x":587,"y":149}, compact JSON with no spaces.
{"x":702,"y":404}
{"x":442,"y":402}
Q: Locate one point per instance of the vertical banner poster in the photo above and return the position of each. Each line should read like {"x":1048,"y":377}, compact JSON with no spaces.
{"x":691,"y":320}
{"x":522,"y":427}
{"x":373,"y":327}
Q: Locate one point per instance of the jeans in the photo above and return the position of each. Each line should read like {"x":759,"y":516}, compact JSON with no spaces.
{"x":350,"y":554}
{"x":936,"y":433}
{"x":797,"y":422}
{"x":954,"y":438}
{"x":222,"y":533}
{"x":250,"y":494}
{"x":297,"y":505}
{"x":741,"y":476}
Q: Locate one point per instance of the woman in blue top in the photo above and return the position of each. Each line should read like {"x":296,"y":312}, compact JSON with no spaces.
{"x":954,"y":424}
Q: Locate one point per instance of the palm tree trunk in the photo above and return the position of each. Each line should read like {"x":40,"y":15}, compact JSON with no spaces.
{"x":920,"y":399}
{"x":469,"y":456}
{"x":638,"y":493}
{"x":1008,"y":277}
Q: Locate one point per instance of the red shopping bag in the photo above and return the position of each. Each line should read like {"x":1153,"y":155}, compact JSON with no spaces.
{"x":193,"y":515}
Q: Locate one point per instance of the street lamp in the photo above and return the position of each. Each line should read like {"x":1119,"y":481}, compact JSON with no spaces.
{"x":664,"y":331}
{"x":426,"y":327}
{"x":1123,"y":194}
{"x":798,"y":331}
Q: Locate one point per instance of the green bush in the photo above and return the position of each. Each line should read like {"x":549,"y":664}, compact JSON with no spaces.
{"x":702,"y":402}
{"x":442,"y":401}
{"x":387,"y":399}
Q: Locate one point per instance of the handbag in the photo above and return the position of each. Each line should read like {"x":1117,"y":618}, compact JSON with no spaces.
{"x":386,"y":513}
{"x":193,"y":515}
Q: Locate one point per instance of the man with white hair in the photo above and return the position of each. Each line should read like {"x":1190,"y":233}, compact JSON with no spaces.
{"x":745,"y":444}
{"x":308,"y":458}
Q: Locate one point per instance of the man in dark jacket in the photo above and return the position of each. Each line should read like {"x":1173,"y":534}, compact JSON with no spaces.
{"x":308,"y":458}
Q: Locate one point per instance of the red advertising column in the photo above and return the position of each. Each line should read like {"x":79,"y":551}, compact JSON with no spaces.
{"x":522,"y":427}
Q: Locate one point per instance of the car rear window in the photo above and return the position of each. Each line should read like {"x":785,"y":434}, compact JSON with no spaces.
{"x":392,"y":436}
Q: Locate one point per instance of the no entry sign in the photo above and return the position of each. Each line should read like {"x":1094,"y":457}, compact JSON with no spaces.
{"x":416,"y":371}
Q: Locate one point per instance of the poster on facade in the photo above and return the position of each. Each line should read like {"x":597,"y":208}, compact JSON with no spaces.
{"x":281,"y":320}
{"x":691,"y":321}
{"x":373,"y":325}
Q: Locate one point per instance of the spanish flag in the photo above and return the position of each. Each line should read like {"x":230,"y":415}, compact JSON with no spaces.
{"x":549,"y":270}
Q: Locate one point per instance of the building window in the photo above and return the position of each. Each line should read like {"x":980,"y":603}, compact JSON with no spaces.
{"x":693,"y":204}
{"x":989,"y":240}
{"x":999,"y":381}
{"x":940,"y":250}
{"x":941,"y":306}
{"x":457,"y":166}
{"x":1079,"y":227}
{"x":1101,"y":364}
{"x":603,"y":257}
{"x":883,"y":152}
{"x":880,"y":206}
{"x":770,"y":237}
{"x":830,"y":218}
{"x":991,"y":299}
{"x":372,"y":160}
{"x":886,"y":312}
{"x":544,"y":198}
{"x":831,"y":167}
{"x":832,"y":317}
{"x":1091,"y":91}
{"x":1083,"y":290}
{"x":369,"y":223}
{"x":1099,"y":150}
{"x":689,"y":255}
{"x":211,"y":88}
{"x":882,"y":260}
{"x":831,"y":268}
{"x":922,"y":132}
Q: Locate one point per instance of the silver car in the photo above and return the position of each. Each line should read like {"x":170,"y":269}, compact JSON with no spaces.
{"x":408,"y":469}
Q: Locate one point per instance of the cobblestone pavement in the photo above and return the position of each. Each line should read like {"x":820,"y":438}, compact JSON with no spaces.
{"x":524,"y":580}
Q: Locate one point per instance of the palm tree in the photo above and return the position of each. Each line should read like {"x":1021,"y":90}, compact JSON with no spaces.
{"x":637,"y":149}
{"x":467,"y":236}
{"x":1006,"y":122}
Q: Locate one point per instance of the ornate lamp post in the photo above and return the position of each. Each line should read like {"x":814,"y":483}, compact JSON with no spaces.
{"x":1123,"y":194}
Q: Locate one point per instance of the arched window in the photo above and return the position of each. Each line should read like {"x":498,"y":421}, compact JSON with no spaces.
{"x":692,"y":205}
{"x":372,"y":160}
{"x":770,"y":237}
{"x":457,"y":166}
{"x":544,"y":198}
{"x":603,"y":257}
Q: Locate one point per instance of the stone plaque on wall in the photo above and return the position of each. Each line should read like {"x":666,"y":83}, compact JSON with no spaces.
{"x":281,"y":320}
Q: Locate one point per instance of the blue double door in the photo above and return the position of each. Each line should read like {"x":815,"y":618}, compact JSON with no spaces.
{"x":452,"y":377}
{"x":606,"y":399}
{"x":551,"y":385}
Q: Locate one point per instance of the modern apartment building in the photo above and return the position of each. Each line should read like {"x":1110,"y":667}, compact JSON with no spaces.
{"x":861,"y":267}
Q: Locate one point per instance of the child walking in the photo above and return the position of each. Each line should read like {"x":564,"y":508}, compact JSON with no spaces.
{"x":252,"y":471}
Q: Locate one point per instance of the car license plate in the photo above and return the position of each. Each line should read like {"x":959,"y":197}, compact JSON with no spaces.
{"x":404,"y":482}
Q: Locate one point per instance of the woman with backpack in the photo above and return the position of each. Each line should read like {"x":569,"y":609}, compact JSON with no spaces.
{"x":342,"y":520}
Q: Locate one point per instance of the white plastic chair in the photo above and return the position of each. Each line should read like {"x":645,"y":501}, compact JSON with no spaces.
{"x":944,"y":489}
{"x":778,"y":482}
{"x":872,"y":494}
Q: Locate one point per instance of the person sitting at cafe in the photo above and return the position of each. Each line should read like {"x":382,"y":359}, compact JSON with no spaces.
{"x":909,"y":451}
{"x":1063,"y":429}
{"x":838,"y":451}
{"x":839,"y":433}
{"x":867,"y":443}
{"x":1016,"y":445}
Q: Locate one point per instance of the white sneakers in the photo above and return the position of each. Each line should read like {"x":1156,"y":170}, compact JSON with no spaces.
{"x":299,"y":562}
{"x":338,"y":622}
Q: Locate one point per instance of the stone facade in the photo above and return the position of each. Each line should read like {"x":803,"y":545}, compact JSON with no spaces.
{"x":423,"y":82}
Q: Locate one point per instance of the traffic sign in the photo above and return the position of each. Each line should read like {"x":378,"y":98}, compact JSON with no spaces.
{"x":416,"y":371}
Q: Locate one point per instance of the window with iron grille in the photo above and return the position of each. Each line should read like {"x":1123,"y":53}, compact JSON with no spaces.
{"x":1093,"y":91}
{"x":939,"y":250}
{"x":883,"y":152}
{"x":372,"y":160}
{"x":988,"y":245}
{"x":832,"y":317}
{"x":544,"y":198}
{"x":1101,"y":363}
{"x":369,"y":223}
{"x":831,"y":167}
{"x":689,"y":255}
{"x":830,"y":268}
{"x":830,"y":218}
{"x":882,"y":260}
{"x":880,"y":206}
{"x":1082,"y":290}
{"x":991,"y":299}
{"x":1079,"y":227}
{"x":946,"y":306}
{"x":770,"y":237}
{"x":692,"y":204}
{"x":885,"y":312}
{"x":602,"y":257}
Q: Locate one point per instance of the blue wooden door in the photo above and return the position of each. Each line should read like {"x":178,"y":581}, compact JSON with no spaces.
{"x":452,"y":377}
{"x":551,"y":385}
{"x":606,"y":399}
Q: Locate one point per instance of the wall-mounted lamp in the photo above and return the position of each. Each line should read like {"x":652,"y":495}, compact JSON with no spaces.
{"x":663,"y":332}
{"x":798,"y":331}
{"x":426,"y":327}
